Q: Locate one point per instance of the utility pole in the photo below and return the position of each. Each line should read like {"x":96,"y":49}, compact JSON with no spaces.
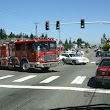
{"x":36,"y":28}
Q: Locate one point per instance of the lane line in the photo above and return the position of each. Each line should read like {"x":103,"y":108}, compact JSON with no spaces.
{"x":106,"y":91}
{"x":81,"y":80}
{"x":50,"y":79}
{"x":24,"y":78}
{"x":7,"y":76}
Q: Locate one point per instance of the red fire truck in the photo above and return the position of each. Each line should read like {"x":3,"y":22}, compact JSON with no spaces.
{"x":37,"y":53}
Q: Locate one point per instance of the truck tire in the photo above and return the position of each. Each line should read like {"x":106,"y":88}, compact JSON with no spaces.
{"x":24,"y":65}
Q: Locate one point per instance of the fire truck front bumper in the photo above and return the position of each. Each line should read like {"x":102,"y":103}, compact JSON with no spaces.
{"x":43,"y":65}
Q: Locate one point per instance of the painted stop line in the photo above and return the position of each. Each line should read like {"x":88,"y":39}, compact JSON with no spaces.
{"x":106,"y":91}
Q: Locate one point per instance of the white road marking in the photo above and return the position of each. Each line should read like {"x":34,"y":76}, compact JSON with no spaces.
{"x":48,"y":80}
{"x":106,"y":91}
{"x":25,"y":78}
{"x":81,"y":80}
{"x":7,"y":76}
{"x":93,"y":62}
{"x":78,"y":80}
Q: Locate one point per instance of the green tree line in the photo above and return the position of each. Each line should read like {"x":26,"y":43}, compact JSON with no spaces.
{"x":68,"y":43}
{"x":3,"y":35}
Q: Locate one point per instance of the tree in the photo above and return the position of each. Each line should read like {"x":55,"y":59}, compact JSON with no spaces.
{"x":87,"y":44}
{"x":3,"y":34}
{"x":104,"y":36}
{"x":103,"y":39}
{"x":26,"y":36}
{"x":60,"y":42}
{"x":31,"y":36}
{"x":66,"y":46}
{"x":70,"y":44}
{"x":11,"y":35}
{"x":79,"y":41}
{"x":46,"y":35}
{"x":42,"y":35}
{"x":106,"y":47}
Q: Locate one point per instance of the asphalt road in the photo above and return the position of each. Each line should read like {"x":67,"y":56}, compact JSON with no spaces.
{"x":62,"y":86}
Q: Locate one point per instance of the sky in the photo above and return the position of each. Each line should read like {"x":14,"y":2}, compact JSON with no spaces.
{"x":21,"y":15}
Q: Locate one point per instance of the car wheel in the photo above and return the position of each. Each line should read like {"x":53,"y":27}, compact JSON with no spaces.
{"x":73,"y":62}
{"x":84,"y":63}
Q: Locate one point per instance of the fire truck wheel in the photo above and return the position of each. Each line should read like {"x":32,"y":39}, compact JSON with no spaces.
{"x":24,"y":65}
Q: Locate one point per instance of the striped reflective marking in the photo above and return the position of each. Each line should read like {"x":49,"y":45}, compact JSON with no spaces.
{"x":7,"y":76}
{"x":78,"y":80}
{"x":25,"y":78}
{"x":48,"y":80}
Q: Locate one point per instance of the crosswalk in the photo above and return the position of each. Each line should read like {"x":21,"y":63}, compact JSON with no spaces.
{"x":50,"y":79}
{"x":24,"y":78}
{"x":76,"y":80}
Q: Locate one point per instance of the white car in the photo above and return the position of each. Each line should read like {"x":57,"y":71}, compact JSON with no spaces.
{"x":73,"y":58}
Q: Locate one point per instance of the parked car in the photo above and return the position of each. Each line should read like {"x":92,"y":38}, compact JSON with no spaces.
{"x":106,"y":54}
{"x":103,"y":72}
{"x":99,"y":53}
{"x":96,"y":49}
{"x":73,"y":58}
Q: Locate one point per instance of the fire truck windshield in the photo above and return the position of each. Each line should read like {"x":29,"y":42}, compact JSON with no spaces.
{"x":45,"y":46}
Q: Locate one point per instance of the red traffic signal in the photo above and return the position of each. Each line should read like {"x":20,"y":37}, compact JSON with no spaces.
{"x":47,"y":25}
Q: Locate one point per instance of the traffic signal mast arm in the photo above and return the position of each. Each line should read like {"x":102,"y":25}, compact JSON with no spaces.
{"x":94,"y":22}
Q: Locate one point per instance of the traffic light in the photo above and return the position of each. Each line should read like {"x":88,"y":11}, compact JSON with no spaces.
{"x":57,"y":25}
{"x":82,"y":23}
{"x":47,"y":25}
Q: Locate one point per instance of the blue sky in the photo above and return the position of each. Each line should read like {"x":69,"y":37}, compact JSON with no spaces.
{"x":20,"y":15}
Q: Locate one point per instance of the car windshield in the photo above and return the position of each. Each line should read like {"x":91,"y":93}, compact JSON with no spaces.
{"x":72,"y":55}
{"x":105,"y":63}
{"x":45,"y":46}
{"x":99,"y":52}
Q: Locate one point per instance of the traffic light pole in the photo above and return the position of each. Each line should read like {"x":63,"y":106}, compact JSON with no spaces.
{"x":59,"y":34}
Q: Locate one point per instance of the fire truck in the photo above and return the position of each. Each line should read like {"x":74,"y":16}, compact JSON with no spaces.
{"x":37,"y":53}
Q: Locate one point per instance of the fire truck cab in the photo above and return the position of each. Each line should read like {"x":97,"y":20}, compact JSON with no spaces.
{"x":37,"y":53}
